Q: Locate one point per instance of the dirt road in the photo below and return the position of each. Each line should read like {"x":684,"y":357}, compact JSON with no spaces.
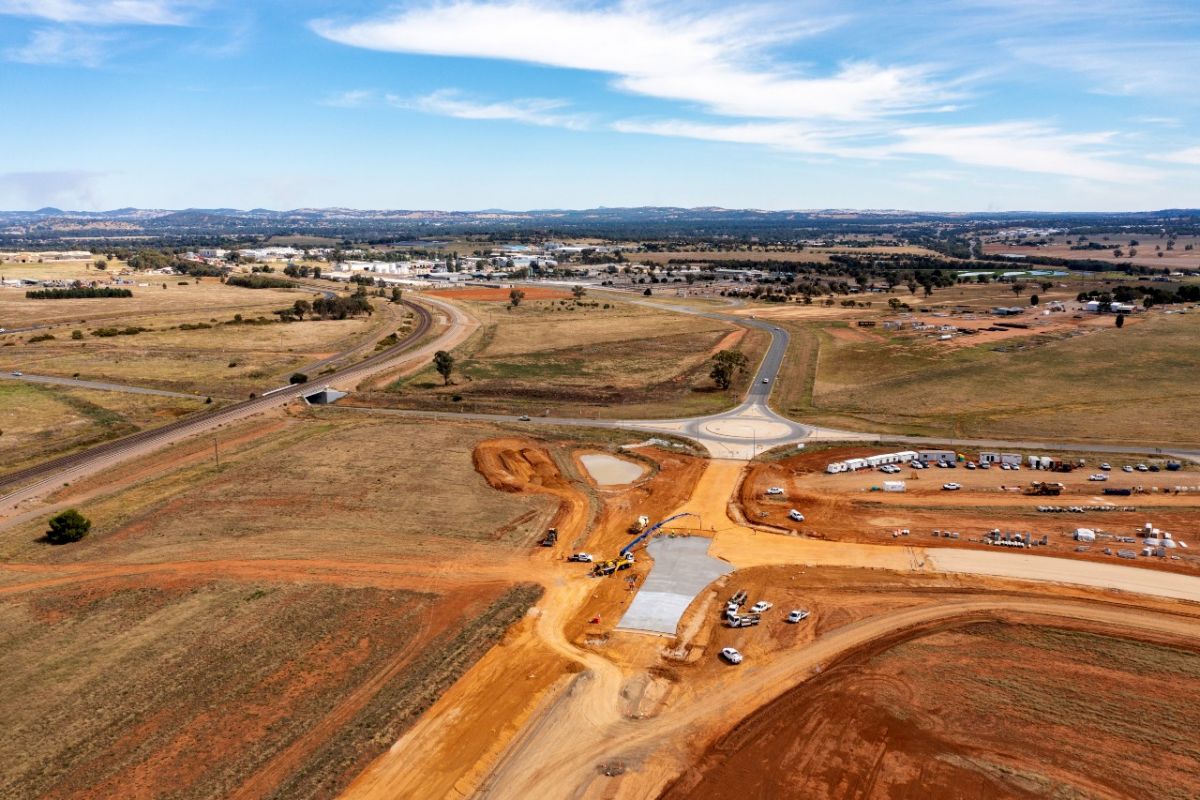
{"x":558,"y":733}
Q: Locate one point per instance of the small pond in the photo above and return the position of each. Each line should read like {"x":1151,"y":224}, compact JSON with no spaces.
{"x":611,"y":471}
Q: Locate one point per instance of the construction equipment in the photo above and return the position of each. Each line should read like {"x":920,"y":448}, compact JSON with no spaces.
{"x":550,"y":539}
{"x":603,"y":568}
{"x":1044,"y":489}
{"x":639,"y":525}
{"x":627,"y":549}
{"x":625,"y":559}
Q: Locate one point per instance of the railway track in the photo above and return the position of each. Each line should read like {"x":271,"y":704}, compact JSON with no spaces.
{"x":30,"y":477}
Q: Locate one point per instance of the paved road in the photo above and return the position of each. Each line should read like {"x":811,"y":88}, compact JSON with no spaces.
{"x":37,"y":480}
{"x":103,"y":386}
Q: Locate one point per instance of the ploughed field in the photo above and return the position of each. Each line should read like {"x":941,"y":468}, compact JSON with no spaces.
{"x":152,"y":686}
{"x":262,"y":628}
{"x":986,"y":710}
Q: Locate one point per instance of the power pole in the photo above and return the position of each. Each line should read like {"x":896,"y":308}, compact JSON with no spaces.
{"x":216,"y":453}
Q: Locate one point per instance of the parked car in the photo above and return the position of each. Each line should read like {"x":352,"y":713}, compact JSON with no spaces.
{"x":17,"y":373}
{"x":971,"y":465}
{"x":1126,"y":468}
{"x":890,"y":469}
{"x":1155,"y":468}
{"x":795,"y":516}
{"x":760,"y":607}
{"x":1099,"y":476}
{"x":583,"y":558}
{"x":916,"y":465}
{"x":1142,"y":468}
{"x":1106,"y":466}
{"x":775,"y":490}
{"x":731,"y":655}
{"x":523,"y":418}
{"x":951,"y":487}
{"x":985,"y":465}
{"x":797,"y":615}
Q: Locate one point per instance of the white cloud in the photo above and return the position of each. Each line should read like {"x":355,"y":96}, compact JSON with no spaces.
{"x":1152,"y":67}
{"x":1190,"y":155}
{"x":102,"y":12}
{"x":73,"y":189}
{"x":1017,"y":146}
{"x":1021,"y":146}
{"x":727,"y":64}
{"x":351,"y":98}
{"x":530,"y":110}
{"x":57,"y":46}
{"x":714,"y":59}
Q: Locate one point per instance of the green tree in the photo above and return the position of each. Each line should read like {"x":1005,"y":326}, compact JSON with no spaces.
{"x":1018,"y":287}
{"x":1034,"y":299}
{"x":443,"y":362}
{"x":100,"y":263}
{"x":76,"y":335}
{"x":396,"y":294}
{"x":725,"y":364}
{"x":515,"y":296}
{"x":1120,"y":320}
{"x":578,"y":292}
{"x":69,"y":526}
{"x":301,"y":307}
{"x":298,"y":377}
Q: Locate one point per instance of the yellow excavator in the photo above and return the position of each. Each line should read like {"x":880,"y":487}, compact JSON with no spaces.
{"x":625,"y":559}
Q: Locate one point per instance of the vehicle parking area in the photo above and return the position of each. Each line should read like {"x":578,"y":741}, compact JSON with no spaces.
{"x":1035,"y":510}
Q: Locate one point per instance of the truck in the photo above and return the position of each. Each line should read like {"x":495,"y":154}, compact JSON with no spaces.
{"x":639,"y":524}
{"x":1118,"y":491}
{"x":550,"y":539}
{"x":1044,"y":489}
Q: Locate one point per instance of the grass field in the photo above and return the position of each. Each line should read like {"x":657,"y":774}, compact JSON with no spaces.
{"x":264,"y":628}
{"x":1131,"y":385}
{"x":314,"y":488}
{"x":624,"y":360}
{"x":224,"y":359}
{"x":38,"y":421}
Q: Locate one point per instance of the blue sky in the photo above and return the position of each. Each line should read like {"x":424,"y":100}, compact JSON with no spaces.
{"x":468,"y":104}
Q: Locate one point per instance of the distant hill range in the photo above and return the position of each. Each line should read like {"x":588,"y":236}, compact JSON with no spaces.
{"x":50,"y":225}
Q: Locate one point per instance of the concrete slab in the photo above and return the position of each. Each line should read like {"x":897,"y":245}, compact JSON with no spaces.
{"x":682,"y":568}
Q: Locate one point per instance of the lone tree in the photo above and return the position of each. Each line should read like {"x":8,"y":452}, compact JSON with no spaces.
{"x":396,"y":294}
{"x":443,"y":362}
{"x":725,"y":364}
{"x":1018,"y":287}
{"x":69,"y":526}
{"x":646,"y":293}
{"x":1120,"y":320}
{"x":578,"y":292}
{"x":1034,"y":299}
{"x":298,"y":377}
{"x":515,"y":297}
{"x":300,"y":308}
